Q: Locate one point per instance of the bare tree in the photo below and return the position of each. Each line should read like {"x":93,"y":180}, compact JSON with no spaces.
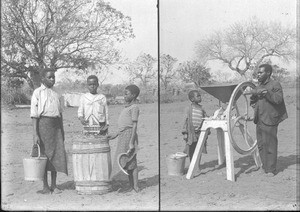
{"x":142,"y":69}
{"x":167,"y":71}
{"x":243,"y":46}
{"x":193,"y":71}
{"x":38,"y":34}
{"x":221,"y":76}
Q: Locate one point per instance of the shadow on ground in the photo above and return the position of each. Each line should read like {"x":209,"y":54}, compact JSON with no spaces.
{"x":121,"y":182}
{"x":247,"y":162}
{"x":283,"y":162}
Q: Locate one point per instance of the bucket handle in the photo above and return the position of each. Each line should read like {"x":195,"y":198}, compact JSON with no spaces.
{"x":39,"y":151}
{"x":181,"y":155}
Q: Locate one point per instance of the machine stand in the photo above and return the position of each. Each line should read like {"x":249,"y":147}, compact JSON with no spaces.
{"x":223,"y":153}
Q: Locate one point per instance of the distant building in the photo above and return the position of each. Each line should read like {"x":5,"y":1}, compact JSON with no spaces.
{"x":72,"y":99}
{"x":119,"y":100}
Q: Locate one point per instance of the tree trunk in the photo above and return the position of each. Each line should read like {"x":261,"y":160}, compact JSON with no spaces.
{"x":36,"y":79}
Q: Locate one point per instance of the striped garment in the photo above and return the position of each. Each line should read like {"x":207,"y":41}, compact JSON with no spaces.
{"x":197,"y":117}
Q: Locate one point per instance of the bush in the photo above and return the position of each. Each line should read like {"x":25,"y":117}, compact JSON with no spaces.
{"x":147,"y":98}
{"x":13,"y":96}
{"x":166,"y":97}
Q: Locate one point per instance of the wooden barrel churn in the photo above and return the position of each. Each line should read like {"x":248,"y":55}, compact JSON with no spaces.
{"x":92,"y":165}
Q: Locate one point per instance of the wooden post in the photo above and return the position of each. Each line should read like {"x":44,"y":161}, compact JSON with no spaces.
{"x":221,"y":153}
{"x":197,"y":155}
{"x":223,"y":140}
{"x":229,"y":158}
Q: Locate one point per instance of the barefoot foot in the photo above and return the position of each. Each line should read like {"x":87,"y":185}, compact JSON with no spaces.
{"x":137,"y":189}
{"x":44,"y":191}
{"x":56,"y":191}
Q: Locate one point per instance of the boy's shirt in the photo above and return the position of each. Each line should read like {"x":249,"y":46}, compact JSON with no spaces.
{"x":46,"y":102}
{"x":94,"y":106}
{"x":197,"y":117}
{"x":127,"y":116}
{"x":188,"y":126}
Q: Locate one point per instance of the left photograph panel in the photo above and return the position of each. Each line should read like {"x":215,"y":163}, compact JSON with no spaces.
{"x":79,"y":105}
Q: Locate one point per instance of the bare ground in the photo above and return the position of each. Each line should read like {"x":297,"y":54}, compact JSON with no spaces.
{"x":209,"y":189}
{"x":18,"y":194}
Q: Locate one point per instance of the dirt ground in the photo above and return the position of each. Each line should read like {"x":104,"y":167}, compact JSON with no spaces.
{"x":18,"y":194}
{"x":209,"y":189}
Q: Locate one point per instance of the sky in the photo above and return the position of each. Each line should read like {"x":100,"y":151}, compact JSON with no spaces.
{"x":143,"y":15}
{"x":183,"y":22}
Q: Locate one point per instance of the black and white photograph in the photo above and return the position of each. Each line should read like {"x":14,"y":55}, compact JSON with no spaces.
{"x":153,"y":105}
{"x":79,"y":127}
{"x":213,"y":154}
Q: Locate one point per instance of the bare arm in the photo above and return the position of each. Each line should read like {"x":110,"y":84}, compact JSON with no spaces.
{"x":62,"y":126}
{"x":185,"y":120}
{"x":81,"y":111}
{"x":36,"y":139}
{"x":133,"y":135}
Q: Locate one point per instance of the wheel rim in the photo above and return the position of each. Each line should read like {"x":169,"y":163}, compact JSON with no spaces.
{"x":237,"y":120}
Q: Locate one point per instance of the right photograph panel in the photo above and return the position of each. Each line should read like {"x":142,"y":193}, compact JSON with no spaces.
{"x":228,"y":105}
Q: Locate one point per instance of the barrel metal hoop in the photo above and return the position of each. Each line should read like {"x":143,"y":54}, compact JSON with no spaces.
{"x":90,"y":151}
{"x":92,"y":183}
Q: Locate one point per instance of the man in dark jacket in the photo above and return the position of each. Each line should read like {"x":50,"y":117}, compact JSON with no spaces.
{"x":270,"y":110}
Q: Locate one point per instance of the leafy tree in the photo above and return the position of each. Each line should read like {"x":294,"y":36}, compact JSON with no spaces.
{"x":167,"y":71}
{"x":193,"y":71}
{"x":243,"y":46}
{"x":142,"y":69}
{"x":102,"y":72}
{"x":39,"y":34}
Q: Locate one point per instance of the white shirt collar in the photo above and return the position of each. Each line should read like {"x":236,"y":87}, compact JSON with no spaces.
{"x":43,"y":86}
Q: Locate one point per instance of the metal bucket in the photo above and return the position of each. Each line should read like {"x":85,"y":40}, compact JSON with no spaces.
{"x":176,"y":163}
{"x":34,"y":167}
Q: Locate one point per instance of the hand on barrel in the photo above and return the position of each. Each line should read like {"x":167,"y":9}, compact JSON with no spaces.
{"x":130,"y":151}
{"x":104,"y":129}
{"x":112,"y":136}
{"x":83,"y":121}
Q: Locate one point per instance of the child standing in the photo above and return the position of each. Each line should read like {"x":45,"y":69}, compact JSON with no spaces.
{"x":193,"y":120}
{"x":127,"y":132}
{"x":48,"y":132}
{"x":93,"y":108}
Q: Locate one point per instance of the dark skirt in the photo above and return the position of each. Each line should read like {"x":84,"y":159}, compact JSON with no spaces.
{"x":123,"y":147}
{"x":52,"y":144}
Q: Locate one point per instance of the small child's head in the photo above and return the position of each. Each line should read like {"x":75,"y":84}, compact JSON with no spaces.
{"x":48,"y":77}
{"x":131,"y":93}
{"x":92,"y":83}
{"x":195,"y":96}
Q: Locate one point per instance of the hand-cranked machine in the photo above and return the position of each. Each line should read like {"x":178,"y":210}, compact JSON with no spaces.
{"x":232,"y":125}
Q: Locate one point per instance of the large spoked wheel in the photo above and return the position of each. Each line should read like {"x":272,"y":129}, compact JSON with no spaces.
{"x":240,"y":119}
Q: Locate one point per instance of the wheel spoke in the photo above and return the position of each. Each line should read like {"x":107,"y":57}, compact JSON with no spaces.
{"x":238,"y":116}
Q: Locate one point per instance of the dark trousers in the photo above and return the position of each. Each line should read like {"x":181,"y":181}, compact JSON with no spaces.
{"x":191,"y":150}
{"x":267,"y":145}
